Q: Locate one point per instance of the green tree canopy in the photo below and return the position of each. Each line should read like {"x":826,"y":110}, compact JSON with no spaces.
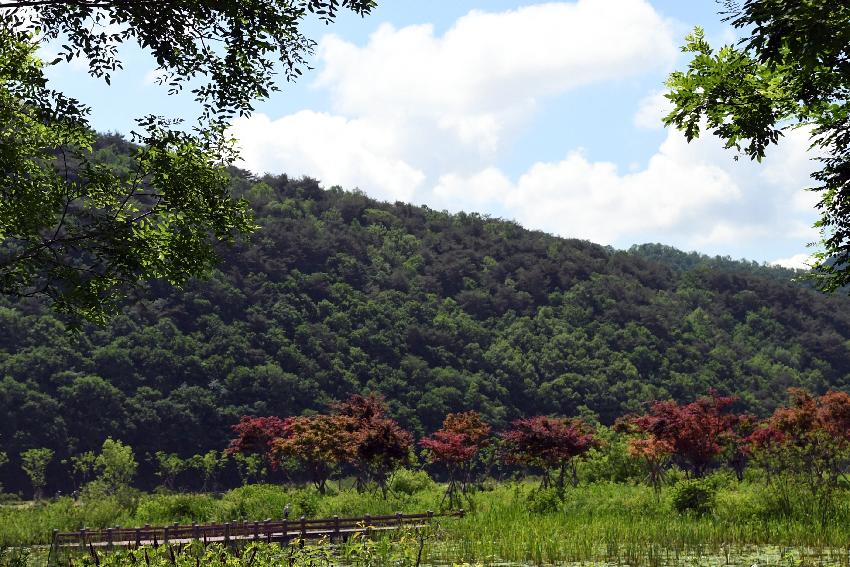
{"x":34,"y":462}
{"x":116,"y":464}
{"x":236,"y":45}
{"x":789,"y":71}
{"x":81,"y":232}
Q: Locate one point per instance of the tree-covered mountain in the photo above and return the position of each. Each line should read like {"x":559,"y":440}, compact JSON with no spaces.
{"x":338,"y":293}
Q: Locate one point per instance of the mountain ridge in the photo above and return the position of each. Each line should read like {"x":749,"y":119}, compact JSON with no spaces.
{"x":339,"y":293}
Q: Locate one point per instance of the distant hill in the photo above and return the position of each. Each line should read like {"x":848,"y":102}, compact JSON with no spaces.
{"x":685,"y":261}
{"x":339,"y":293}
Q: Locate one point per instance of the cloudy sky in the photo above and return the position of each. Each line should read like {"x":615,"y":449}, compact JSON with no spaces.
{"x":545,"y":113}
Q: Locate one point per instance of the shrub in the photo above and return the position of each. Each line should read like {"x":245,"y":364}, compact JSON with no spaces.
{"x":258,"y":501}
{"x":694,"y":496}
{"x":182,"y":508}
{"x":406,"y":481}
{"x":544,"y":500}
{"x":9,"y":497}
{"x":306,"y":502}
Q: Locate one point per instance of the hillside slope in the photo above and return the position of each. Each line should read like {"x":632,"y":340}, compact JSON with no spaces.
{"x":339,"y":293}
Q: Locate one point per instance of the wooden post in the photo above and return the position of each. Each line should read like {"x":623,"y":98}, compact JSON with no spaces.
{"x":399,"y":519}
{"x":138,"y":537}
{"x":336,"y":528}
{"x":83,"y":538}
{"x":267,"y":530}
{"x":147,"y":529}
{"x":54,"y":545}
{"x":367,"y":520}
{"x":226,"y":533}
{"x":285,"y":530}
{"x":109,"y":539}
{"x":256,"y":530}
{"x":165,"y":536}
{"x":303,"y":528}
{"x":195,"y":532}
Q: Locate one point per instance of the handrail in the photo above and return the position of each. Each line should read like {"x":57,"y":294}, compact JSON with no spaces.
{"x":231,"y":531}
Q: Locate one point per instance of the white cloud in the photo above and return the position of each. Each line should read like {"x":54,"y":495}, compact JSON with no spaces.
{"x":420,"y":117}
{"x":153,"y":76}
{"x":351,"y":153}
{"x":689,"y":195}
{"x":411,"y":104}
{"x":651,"y":109}
{"x":798,"y":261}
{"x":488,"y":72}
{"x":593,"y":200}
{"x":491,"y":60}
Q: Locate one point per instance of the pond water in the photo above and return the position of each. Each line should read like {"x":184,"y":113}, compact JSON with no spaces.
{"x":750,"y":556}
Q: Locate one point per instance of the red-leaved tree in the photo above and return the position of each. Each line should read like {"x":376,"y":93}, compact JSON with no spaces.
{"x":654,"y":454}
{"x":550,"y":443}
{"x":320,"y":443}
{"x":455,"y":446}
{"x":255,"y":435}
{"x":809,"y":440}
{"x":378,"y":444}
{"x":361,"y":408}
{"x":698,"y":432}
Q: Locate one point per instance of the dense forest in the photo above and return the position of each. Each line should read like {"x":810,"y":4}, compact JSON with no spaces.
{"x":337,"y":293}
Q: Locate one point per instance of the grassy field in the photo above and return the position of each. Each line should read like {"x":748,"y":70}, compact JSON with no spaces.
{"x":602,"y":522}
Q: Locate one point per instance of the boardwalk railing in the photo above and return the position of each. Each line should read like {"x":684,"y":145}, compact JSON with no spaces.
{"x":232,"y":532}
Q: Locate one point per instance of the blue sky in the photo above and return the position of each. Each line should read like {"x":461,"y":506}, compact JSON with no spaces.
{"x":545,"y":113}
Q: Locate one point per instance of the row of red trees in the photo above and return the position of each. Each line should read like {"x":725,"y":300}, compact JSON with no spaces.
{"x":357,"y":433}
{"x":810,"y":438}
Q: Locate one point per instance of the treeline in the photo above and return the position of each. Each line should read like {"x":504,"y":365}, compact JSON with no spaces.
{"x":805,"y":443}
{"x":803,"y":446}
{"x":439,"y":313}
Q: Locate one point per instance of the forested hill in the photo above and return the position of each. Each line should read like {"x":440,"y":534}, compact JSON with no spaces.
{"x":339,"y":293}
{"x":685,"y":261}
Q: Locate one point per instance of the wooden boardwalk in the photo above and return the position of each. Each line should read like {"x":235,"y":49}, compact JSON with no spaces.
{"x":231,"y":533}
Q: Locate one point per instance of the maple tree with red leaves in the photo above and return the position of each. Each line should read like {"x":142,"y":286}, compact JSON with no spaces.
{"x":357,"y":432}
{"x":655,"y":455}
{"x":376,"y":444}
{"x":808,"y":440}
{"x":737,"y":451}
{"x":698,"y":432}
{"x":550,"y":443}
{"x":379,"y":447}
{"x":255,"y":435}
{"x":361,"y":408}
{"x":321,"y":443}
{"x":455,"y":445}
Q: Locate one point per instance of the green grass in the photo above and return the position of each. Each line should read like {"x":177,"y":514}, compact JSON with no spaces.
{"x":601,"y":522}
{"x":632,"y":524}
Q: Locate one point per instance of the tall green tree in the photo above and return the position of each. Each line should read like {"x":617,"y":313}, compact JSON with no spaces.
{"x":790,"y":70}
{"x":209,"y":467}
{"x":82,"y":233}
{"x":169,"y":466}
{"x":82,"y":466}
{"x":34,"y":462}
{"x":116,"y":465}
